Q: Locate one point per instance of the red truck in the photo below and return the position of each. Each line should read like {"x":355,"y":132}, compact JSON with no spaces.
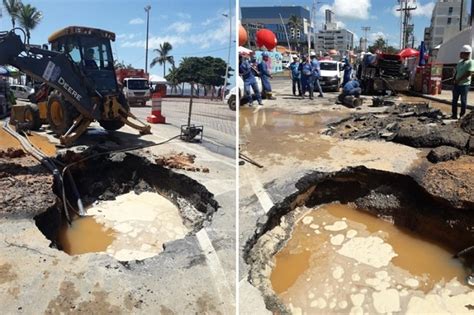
{"x":135,"y":85}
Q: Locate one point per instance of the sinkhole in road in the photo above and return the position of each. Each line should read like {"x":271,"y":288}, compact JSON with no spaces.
{"x":134,"y":207}
{"x":362,"y":241}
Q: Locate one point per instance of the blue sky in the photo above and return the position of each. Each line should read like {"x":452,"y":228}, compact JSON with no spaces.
{"x":378,"y":14}
{"x":194,"y":28}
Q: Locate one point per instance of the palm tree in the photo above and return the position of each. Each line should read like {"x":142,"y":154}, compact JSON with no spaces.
{"x":172,"y":78}
{"x":295,"y":23}
{"x":12,"y":7}
{"x":29,"y":17}
{"x":163,"y":56}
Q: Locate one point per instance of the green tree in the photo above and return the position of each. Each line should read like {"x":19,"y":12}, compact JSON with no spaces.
{"x":381,"y":44}
{"x":163,"y":56}
{"x":13,"y":8}
{"x":122,"y":65}
{"x":295,"y":23}
{"x":172,"y":79}
{"x":29,"y":17}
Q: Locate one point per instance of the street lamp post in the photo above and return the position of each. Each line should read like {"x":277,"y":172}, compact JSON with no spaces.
{"x":147,"y":10}
{"x":230,"y":47}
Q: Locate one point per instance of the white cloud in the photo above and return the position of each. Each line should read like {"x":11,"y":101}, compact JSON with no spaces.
{"x":155,"y":41}
{"x":184,"y":15}
{"x":180,"y":27}
{"x":136,"y":21}
{"x":424,"y":10}
{"x":211,"y":37}
{"x":353,"y":9}
{"x":376,"y":35}
{"x":128,"y":36}
{"x":215,"y":35}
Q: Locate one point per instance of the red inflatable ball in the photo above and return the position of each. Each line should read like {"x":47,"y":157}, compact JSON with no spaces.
{"x":243,"y":36}
{"x":266,"y":38}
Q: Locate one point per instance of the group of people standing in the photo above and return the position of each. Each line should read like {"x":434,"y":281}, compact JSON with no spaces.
{"x":249,"y":69}
{"x":306,"y":75}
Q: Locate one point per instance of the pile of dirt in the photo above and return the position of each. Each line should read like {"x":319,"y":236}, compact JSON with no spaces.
{"x":12,"y":153}
{"x":452,"y":180}
{"x":25,"y":184}
{"x":180,"y":161}
{"x":418,"y":126}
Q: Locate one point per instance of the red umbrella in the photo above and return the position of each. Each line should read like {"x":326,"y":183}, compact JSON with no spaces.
{"x":409,"y":52}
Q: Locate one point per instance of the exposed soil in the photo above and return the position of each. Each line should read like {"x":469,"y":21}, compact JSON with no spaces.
{"x":26,"y":185}
{"x":181,"y":161}
{"x":394,"y":197}
{"x":448,"y":143}
{"x":453,"y":181}
{"x":418,"y":126}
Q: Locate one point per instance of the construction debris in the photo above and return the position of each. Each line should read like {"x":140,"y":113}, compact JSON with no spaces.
{"x":180,"y":161}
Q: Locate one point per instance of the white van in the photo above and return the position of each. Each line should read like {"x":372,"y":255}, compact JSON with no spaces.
{"x":22,"y":91}
{"x":239,"y":90}
{"x":331,"y":75}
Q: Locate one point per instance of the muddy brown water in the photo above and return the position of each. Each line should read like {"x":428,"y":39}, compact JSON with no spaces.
{"x":268,"y":131}
{"x":85,"y":235}
{"x":40,"y":142}
{"x":7,"y":141}
{"x":43,"y":144}
{"x":309,"y":254}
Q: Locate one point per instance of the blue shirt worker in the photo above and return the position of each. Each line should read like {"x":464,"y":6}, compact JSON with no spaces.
{"x":250,"y":83}
{"x":265,"y":75}
{"x":316,"y":74}
{"x":347,"y":72}
{"x":307,"y":78}
{"x":352,"y":88}
{"x":462,"y":81}
{"x":295,"y":72}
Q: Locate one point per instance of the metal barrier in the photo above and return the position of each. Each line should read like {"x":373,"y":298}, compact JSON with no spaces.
{"x":214,"y":115}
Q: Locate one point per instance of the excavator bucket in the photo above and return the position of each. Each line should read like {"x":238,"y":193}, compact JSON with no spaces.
{"x":10,"y":45}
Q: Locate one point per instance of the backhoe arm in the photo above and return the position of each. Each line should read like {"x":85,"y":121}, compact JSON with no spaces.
{"x":55,"y":69}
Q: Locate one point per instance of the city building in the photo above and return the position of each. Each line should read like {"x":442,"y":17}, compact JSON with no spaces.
{"x":278,"y":19}
{"x":363,"y":44}
{"x":449,"y":17}
{"x":334,"y":37}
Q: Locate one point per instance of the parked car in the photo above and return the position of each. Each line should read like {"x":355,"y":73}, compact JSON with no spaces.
{"x":239,"y":90}
{"x":331,"y":75}
{"x":22,"y":91}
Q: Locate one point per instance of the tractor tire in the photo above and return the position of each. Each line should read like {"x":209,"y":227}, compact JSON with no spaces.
{"x":114,"y":124}
{"x":232,"y":102}
{"x":61,"y":114}
{"x":32,"y":117}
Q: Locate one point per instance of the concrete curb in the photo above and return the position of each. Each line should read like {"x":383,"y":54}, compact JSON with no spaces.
{"x":433,"y":98}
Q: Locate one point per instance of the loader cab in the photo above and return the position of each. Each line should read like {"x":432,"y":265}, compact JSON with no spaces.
{"x":90,"y":49}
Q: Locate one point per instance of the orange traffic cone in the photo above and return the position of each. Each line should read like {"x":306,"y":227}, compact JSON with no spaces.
{"x":156,"y":117}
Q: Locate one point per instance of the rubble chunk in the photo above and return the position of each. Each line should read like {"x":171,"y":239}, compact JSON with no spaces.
{"x":443,"y":153}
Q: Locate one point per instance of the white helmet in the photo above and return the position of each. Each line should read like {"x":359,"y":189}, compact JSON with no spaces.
{"x":466,"y":49}
{"x":312,"y":54}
